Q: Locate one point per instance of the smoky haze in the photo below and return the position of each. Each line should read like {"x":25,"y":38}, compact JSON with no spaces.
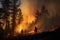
{"x":31,"y":18}
{"x":52,"y":19}
{"x":47,"y":21}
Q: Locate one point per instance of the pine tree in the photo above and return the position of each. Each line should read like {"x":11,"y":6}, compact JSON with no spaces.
{"x":12,"y":13}
{"x":5,"y":4}
{"x":40,"y":14}
{"x":16,"y":13}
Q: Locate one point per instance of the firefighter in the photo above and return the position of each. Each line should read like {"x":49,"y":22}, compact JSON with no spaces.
{"x":35,"y":30}
{"x":22,"y":31}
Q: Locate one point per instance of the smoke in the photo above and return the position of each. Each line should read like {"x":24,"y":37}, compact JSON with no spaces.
{"x":51,"y":21}
{"x":45,"y":22}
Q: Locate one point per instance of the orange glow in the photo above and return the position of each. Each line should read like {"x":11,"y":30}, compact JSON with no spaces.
{"x":28,"y":17}
{"x":28,"y":13}
{"x":53,"y":28}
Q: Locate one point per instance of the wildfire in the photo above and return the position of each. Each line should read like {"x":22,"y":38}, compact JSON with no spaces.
{"x":29,"y":17}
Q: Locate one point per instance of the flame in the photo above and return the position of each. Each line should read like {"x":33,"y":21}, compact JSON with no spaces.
{"x":28,"y":13}
{"x":28,"y":18}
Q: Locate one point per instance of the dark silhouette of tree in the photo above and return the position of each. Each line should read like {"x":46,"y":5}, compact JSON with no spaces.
{"x":1,"y":29}
{"x":2,"y":20}
{"x":5,"y":5}
{"x":44,"y":10}
{"x":16,"y":4}
{"x":40,"y":14}
{"x":11,"y":9}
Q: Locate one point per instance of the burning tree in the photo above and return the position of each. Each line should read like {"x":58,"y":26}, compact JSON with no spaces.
{"x":15,"y":4}
{"x":12,"y":13}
